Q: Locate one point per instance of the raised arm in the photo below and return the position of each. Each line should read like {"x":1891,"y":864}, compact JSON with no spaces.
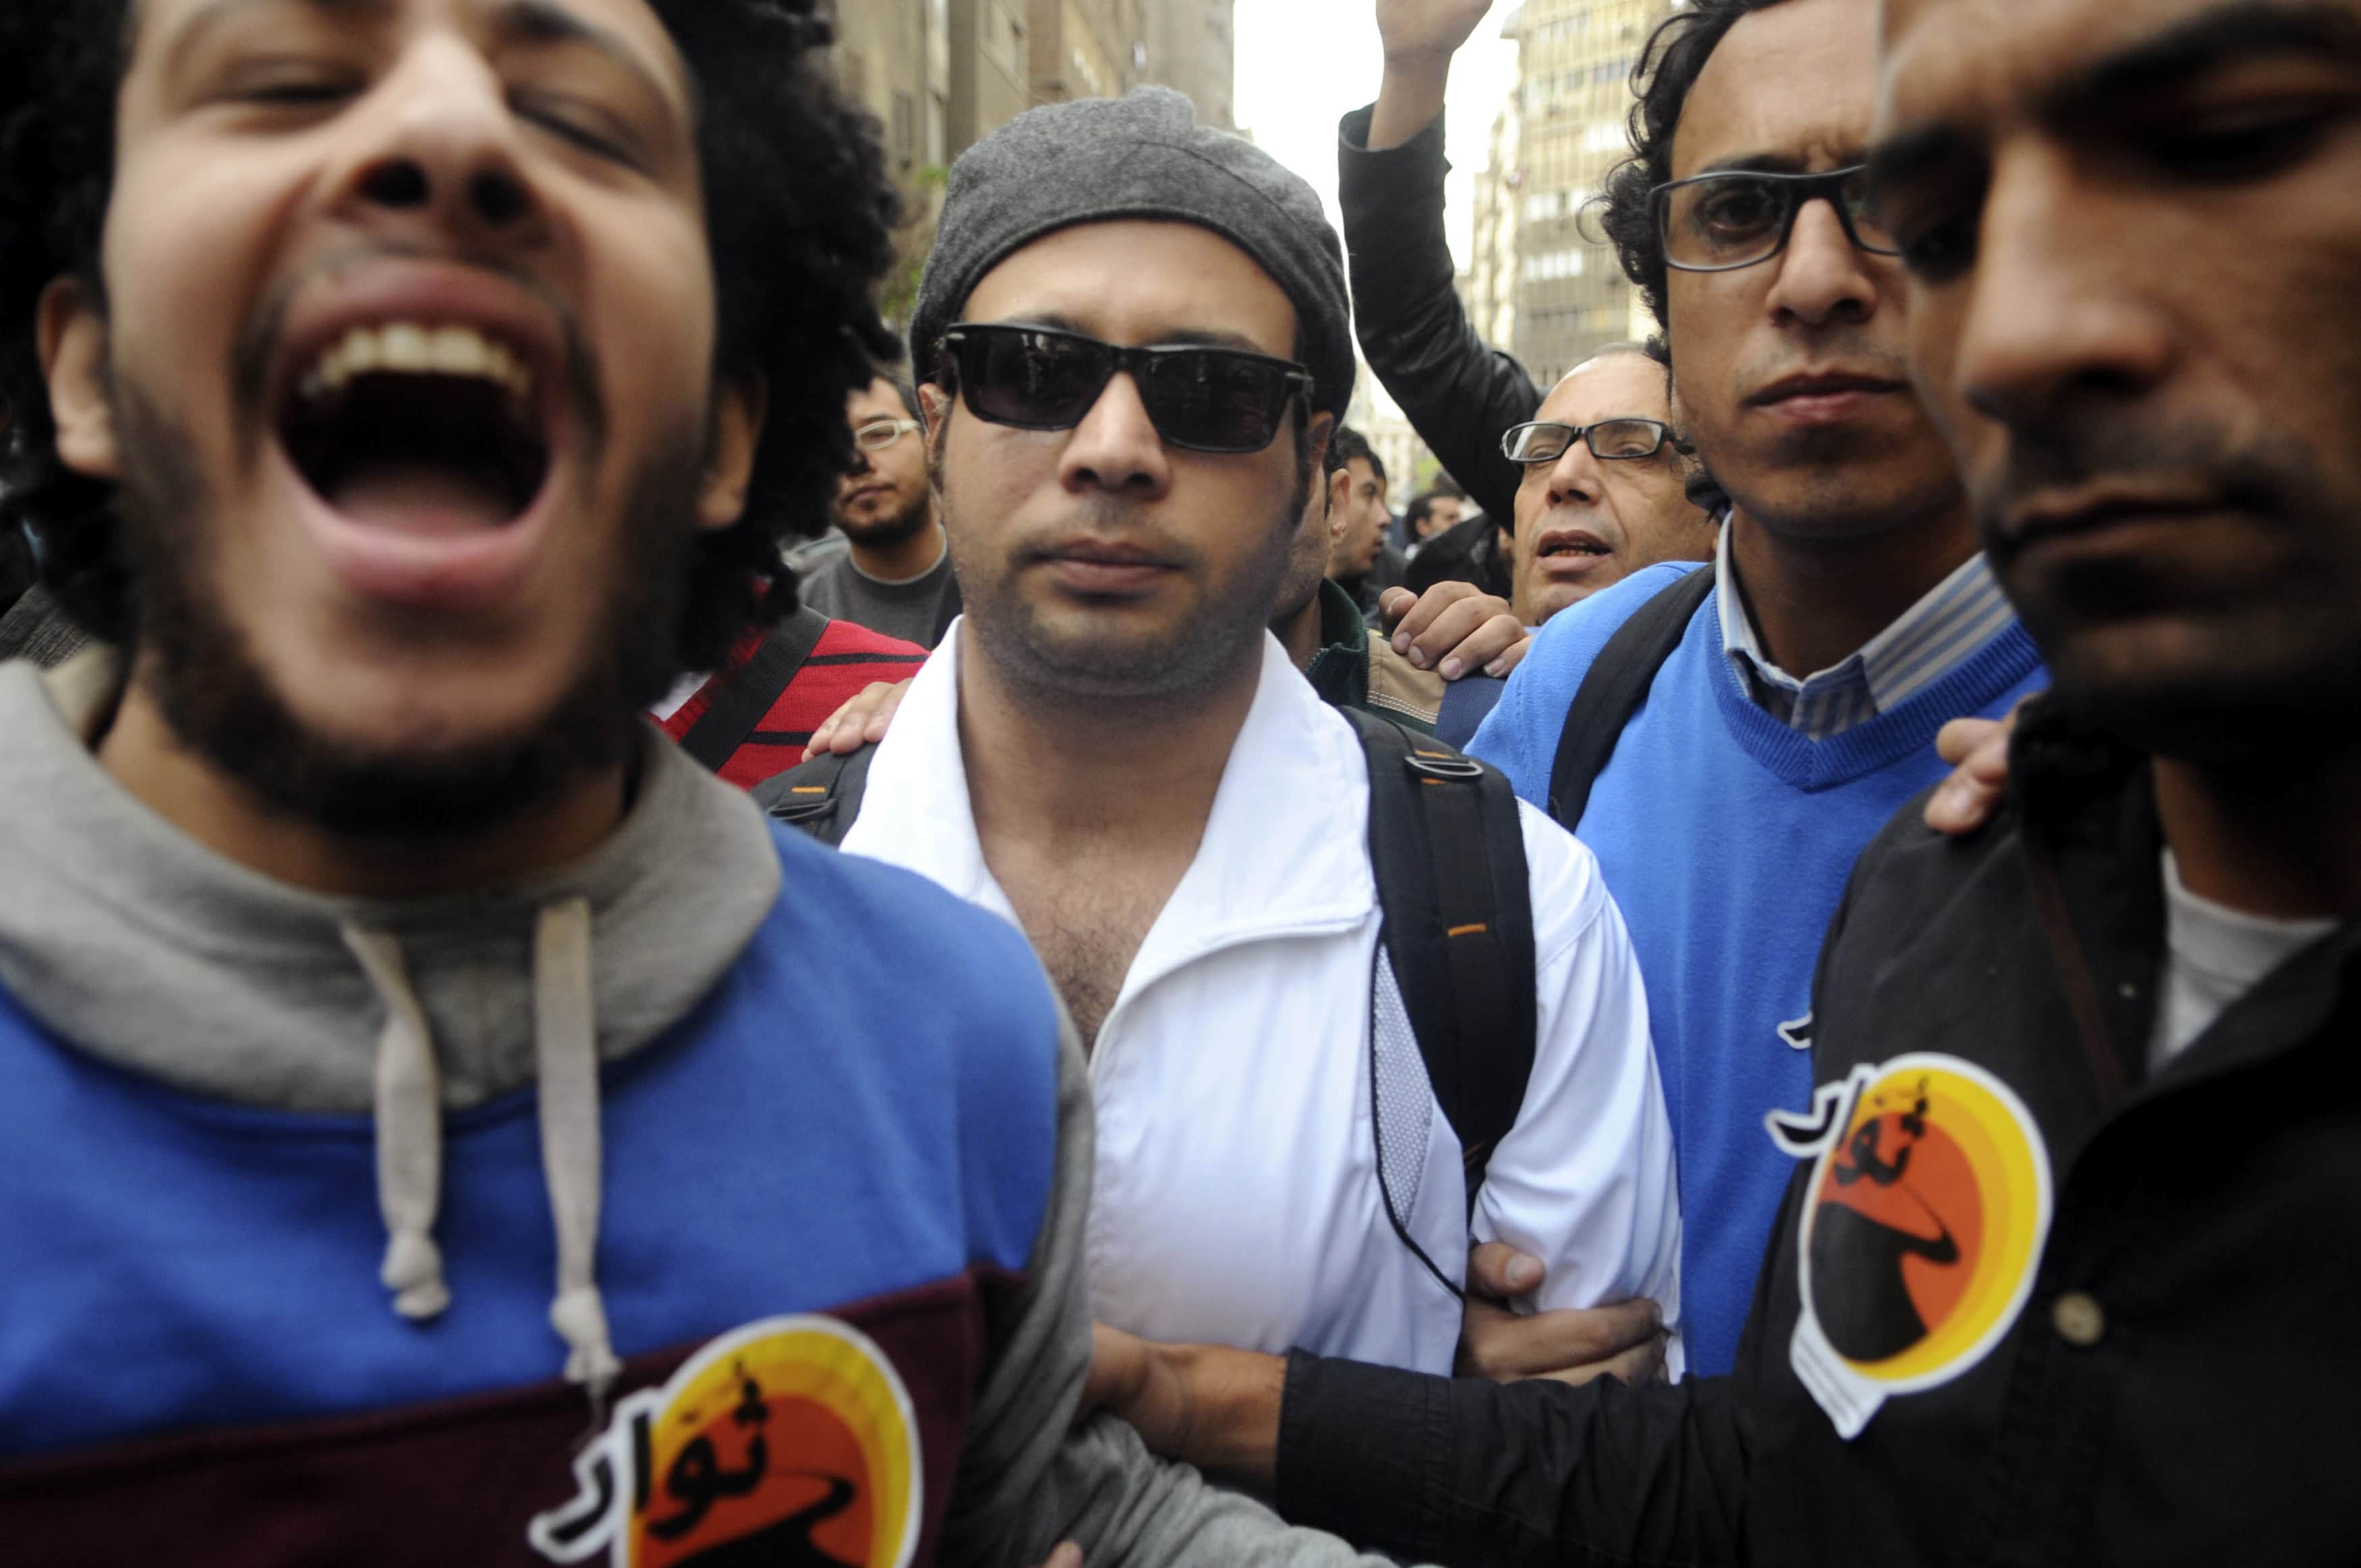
{"x":1459,"y":393}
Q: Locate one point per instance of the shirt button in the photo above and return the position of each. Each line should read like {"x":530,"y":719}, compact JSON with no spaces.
{"x":2078,"y":1320}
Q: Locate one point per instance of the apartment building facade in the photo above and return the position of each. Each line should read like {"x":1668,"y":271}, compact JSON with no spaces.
{"x":1574,"y":99}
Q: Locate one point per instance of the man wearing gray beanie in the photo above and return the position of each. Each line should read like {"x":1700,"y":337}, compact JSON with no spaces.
{"x":1134,"y":336}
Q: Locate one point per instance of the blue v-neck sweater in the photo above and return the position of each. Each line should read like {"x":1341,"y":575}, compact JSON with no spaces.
{"x":1726,"y":837}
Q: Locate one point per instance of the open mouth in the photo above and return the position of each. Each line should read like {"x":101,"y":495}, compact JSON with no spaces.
{"x":1576,"y":544}
{"x":429,"y":430}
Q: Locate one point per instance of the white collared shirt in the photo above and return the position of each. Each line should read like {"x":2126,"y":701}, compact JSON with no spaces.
{"x":1955,"y":618}
{"x":1236,"y":1198}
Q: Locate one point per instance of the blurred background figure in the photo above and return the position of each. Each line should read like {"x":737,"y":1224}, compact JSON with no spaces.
{"x":895,"y":576}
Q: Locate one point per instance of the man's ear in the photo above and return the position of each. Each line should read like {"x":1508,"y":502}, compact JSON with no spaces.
{"x":1340,"y":498}
{"x":738,"y":413}
{"x":934,"y":406}
{"x":934,"y":413}
{"x":1316,"y":437}
{"x":70,"y":332}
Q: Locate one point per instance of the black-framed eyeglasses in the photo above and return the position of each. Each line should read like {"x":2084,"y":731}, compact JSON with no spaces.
{"x":877,"y":434}
{"x":1200,"y":398}
{"x":1612,"y":439}
{"x":1718,"y":223}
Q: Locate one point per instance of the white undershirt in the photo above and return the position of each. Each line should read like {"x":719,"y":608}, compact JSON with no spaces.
{"x":2216,"y":954}
{"x":677,"y":698}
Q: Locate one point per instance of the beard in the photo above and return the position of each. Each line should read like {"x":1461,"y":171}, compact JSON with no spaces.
{"x":222,"y":705}
{"x":2212,"y":664}
{"x":1198,"y":656}
{"x":891,"y":529}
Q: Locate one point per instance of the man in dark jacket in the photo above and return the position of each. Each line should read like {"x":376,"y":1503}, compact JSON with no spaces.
{"x":2080,"y":1149}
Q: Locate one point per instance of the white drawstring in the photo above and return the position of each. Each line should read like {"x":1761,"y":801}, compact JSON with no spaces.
{"x":567,"y":1045}
{"x":408,"y":1131}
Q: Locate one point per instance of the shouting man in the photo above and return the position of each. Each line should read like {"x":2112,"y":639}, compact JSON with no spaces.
{"x":408,"y":1058}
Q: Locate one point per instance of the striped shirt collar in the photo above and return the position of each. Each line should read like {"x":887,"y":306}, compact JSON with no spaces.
{"x":1957,"y":616}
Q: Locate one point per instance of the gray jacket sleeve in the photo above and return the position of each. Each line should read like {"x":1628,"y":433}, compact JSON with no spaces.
{"x":1029,"y":1479}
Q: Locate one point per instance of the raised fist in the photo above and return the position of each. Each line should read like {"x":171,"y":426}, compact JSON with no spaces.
{"x":1426,"y":28}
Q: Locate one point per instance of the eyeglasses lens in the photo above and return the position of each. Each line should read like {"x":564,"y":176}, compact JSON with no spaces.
{"x":1733,"y":220}
{"x":1538,"y":443}
{"x":1867,"y":231}
{"x":1625,"y":438}
{"x":1726,"y":221}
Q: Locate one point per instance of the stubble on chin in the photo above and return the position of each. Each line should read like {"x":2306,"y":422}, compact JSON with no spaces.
{"x":1054,"y":671}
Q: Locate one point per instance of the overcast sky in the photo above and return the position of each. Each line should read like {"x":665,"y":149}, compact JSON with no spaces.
{"x":1302,"y":63}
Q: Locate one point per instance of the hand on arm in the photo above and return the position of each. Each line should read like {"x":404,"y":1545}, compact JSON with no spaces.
{"x":1625,"y":1340}
{"x":1215,"y":1407}
{"x":862,"y":721}
{"x":1419,"y":37}
{"x":1454,"y":629}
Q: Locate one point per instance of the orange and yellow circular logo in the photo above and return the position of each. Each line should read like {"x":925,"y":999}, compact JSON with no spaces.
{"x":790,"y":1442}
{"x":1930,"y":1200}
{"x":1926,"y":1214}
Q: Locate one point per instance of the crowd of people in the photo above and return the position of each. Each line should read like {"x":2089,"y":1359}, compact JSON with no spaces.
{"x":644,"y":919}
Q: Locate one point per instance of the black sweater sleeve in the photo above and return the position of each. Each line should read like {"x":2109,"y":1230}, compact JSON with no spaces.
{"x":1459,"y":394}
{"x":1467,"y":1473}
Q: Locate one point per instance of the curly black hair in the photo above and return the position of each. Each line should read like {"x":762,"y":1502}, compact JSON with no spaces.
{"x":1668,"y":68}
{"x":800,"y":218}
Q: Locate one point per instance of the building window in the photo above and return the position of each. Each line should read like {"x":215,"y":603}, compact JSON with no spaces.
{"x":939,"y":115}
{"x":905,"y":130}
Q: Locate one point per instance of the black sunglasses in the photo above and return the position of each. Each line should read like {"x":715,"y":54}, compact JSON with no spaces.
{"x":1206,"y":399}
{"x":1721,"y":221}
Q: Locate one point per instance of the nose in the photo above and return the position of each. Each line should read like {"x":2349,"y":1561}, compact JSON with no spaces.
{"x":1576,"y":476}
{"x":1823,"y":278}
{"x":439,"y":153}
{"x":1115,"y":448}
{"x":2051,"y":318}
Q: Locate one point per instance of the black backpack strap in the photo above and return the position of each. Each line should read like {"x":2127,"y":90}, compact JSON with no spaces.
{"x":1612,"y":692}
{"x":1455,"y":893}
{"x":756,"y":686}
{"x":821,"y":796}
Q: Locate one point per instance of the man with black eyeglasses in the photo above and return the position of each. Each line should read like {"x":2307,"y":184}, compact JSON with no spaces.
{"x":1726,"y":740}
{"x":1137,"y":339}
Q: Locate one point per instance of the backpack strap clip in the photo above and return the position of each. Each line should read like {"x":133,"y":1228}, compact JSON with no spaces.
{"x":1444,"y":768}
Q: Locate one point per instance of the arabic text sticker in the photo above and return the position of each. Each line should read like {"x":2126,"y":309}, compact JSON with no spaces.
{"x":791,"y":1441}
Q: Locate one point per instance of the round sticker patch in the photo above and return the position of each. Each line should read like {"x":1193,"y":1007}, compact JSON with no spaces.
{"x":1931,"y":1198}
{"x":789,"y":1441}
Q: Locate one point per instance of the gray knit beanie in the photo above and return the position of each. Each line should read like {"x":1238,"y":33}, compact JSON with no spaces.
{"x":1144,"y":155}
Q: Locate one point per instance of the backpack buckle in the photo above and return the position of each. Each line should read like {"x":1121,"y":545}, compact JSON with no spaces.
{"x":1452,"y":770}
{"x":796,"y":812}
